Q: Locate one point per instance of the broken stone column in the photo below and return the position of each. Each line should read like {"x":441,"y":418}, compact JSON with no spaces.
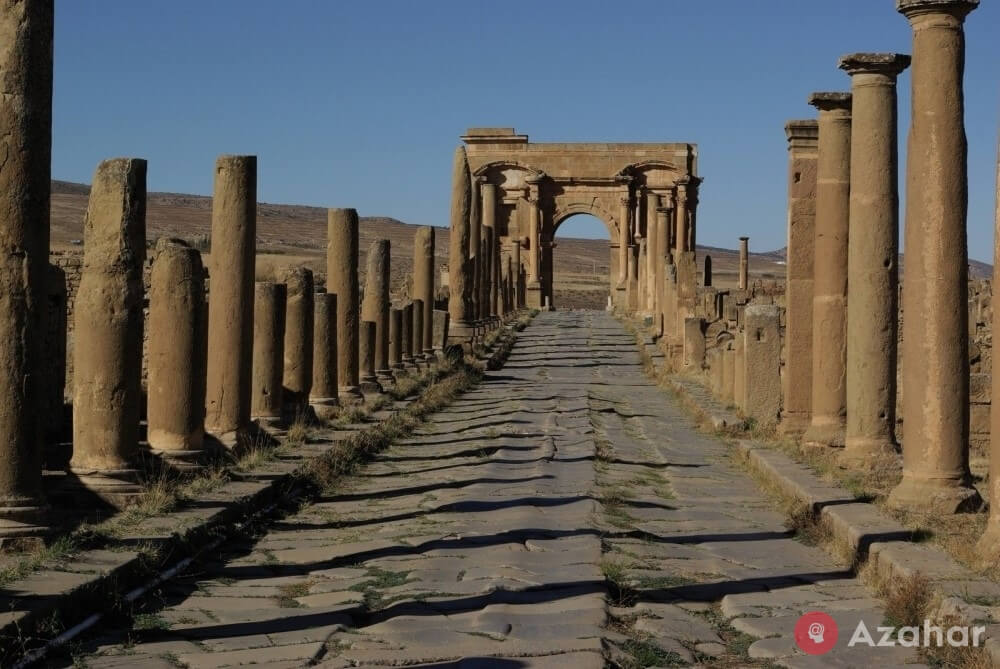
{"x":872,"y":258}
{"x":323,"y":395}
{"x":423,"y":288}
{"x":935,"y":374}
{"x":176,"y":357}
{"x":366,"y":355}
{"x":396,"y":339}
{"x":299,"y":312}
{"x":107,"y":347}
{"x":417,"y":328}
{"x":231,"y":297}
{"x":342,"y":281}
{"x":375,"y":307}
{"x":268,"y":350}
{"x":744,"y":263}
{"x":762,"y":363}
{"x":694,"y":343}
{"x":833,"y":197}
{"x":460,"y":266}
{"x":26,"y":129}
{"x":797,"y":381}
{"x":409,"y":337}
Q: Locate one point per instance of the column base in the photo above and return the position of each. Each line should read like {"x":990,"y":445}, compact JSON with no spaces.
{"x":988,"y":546}
{"x":793,"y":425}
{"x":533,"y":296}
{"x":115,"y":487}
{"x":185,"y":460}
{"x":830,"y":435}
{"x":864,"y":452}
{"x":325,"y":408}
{"x":349,"y":395}
{"x":370,"y":386}
{"x":937,"y":496}
{"x":22,"y":523}
{"x":461,"y":332}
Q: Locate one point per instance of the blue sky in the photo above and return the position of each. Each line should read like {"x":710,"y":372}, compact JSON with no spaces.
{"x":361,"y":103}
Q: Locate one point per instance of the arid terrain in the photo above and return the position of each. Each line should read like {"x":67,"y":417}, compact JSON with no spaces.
{"x":292,"y":234}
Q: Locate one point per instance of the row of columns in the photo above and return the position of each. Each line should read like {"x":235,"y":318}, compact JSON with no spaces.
{"x":482,"y":288}
{"x":844,"y":349}
{"x":257,"y":349}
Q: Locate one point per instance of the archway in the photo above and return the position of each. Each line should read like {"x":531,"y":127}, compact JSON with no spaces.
{"x":579,"y":259}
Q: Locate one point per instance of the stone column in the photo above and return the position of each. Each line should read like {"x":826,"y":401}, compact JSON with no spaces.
{"x":375,"y":307}
{"x":460,"y":266}
{"x":107,"y":347}
{"x":298,"y":348}
{"x":872,"y":258}
{"x":176,"y":359}
{"x":624,"y":240}
{"x":231,"y":296}
{"x":342,"y":281}
{"x":833,"y":197}
{"x":396,"y":339}
{"x":323,"y":396}
{"x":744,"y":263}
{"x":936,"y":477}
{"x":681,"y":222}
{"x":410,"y":338}
{"x":26,"y":136}
{"x":268,"y":350}
{"x":797,"y":380}
{"x":534,"y":286}
{"x":652,"y":249}
{"x":366,"y":356}
{"x":423,"y":286}
{"x":515,"y":253}
{"x":988,"y":547}
{"x":762,"y":360}
{"x":475,"y":248}
{"x":659,"y":272}
{"x":630,"y":287}
{"x":642,"y":271}
{"x":418,"y":326}
{"x":489,"y":192}
{"x":487,"y":289}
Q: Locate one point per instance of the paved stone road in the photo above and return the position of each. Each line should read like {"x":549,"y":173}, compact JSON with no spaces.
{"x":565,"y":513}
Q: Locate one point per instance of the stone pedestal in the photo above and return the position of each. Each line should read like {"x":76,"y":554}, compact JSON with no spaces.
{"x":829,"y":314}
{"x":872,"y":259}
{"x":107,"y":347}
{"x":230,"y":305}
{"x":323,"y":396}
{"x":797,"y":380}
{"x":26,"y":122}
{"x":935,"y":374}
{"x":342,"y":281}
{"x":299,"y":312}
{"x":460,"y":265}
{"x":267,"y":403}
{"x":762,"y":360}
{"x":694,"y":343}
{"x":176,"y":359}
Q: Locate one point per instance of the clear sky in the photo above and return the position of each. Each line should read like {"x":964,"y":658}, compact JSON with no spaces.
{"x":361,"y":103}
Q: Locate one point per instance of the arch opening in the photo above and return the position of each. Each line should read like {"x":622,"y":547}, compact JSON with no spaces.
{"x":581,"y":261}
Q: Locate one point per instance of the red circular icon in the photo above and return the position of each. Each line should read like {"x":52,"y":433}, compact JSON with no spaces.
{"x":815,"y":633}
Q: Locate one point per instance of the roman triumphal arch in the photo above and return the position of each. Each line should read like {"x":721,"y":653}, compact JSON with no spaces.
{"x":527,"y":189}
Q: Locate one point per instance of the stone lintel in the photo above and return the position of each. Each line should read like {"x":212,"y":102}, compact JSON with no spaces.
{"x":957,"y":8}
{"x":493,"y":136}
{"x":802,"y":133}
{"x":874,"y":63}
{"x":831,"y":101}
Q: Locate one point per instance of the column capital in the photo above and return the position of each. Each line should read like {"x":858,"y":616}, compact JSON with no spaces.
{"x":958,"y":9}
{"x":888,"y":64}
{"x":831,"y":101}
{"x":802,"y":133}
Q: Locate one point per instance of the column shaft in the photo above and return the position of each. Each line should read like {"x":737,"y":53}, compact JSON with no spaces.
{"x":460,"y":266}
{"x":423,"y":287}
{"x":342,"y":281}
{"x":324,"y":393}
{"x":268,"y":349}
